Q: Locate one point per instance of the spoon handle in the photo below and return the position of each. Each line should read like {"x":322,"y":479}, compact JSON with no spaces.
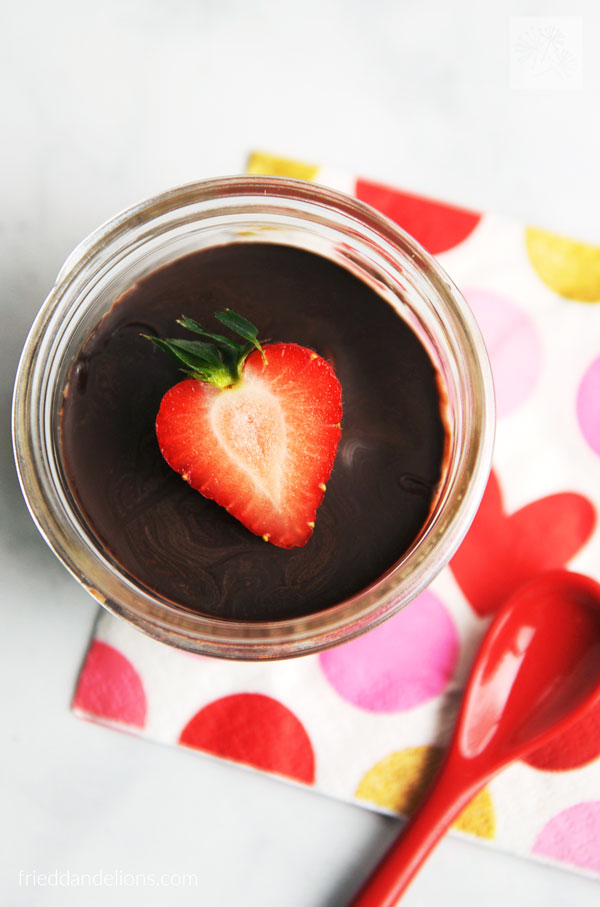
{"x":451,"y":792}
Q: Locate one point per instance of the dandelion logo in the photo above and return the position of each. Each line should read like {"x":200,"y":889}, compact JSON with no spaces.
{"x":545,"y":52}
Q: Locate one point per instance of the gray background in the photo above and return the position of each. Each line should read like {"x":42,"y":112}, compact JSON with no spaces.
{"x":102,"y":105}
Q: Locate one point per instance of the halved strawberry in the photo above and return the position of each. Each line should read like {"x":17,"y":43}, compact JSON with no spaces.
{"x":256,"y":428}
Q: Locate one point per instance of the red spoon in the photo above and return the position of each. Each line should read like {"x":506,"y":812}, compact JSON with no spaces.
{"x":536,"y":673}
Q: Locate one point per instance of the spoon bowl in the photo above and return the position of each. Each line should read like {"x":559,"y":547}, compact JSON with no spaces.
{"x":539,"y":663}
{"x":537,"y":673}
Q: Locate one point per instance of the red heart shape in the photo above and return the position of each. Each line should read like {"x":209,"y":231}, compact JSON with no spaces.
{"x":501,"y":552}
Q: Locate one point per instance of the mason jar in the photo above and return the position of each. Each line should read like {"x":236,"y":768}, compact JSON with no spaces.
{"x":236,"y":210}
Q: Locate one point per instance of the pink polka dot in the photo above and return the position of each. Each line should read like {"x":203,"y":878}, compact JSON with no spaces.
{"x":588,"y":405}
{"x":513,"y":345}
{"x":110,"y":687}
{"x":407,"y":660}
{"x":573,"y":836}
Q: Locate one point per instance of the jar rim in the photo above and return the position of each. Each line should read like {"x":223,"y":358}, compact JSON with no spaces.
{"x":253,"y":640}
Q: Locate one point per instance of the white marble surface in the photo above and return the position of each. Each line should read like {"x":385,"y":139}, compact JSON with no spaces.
{"x":103,"y":104}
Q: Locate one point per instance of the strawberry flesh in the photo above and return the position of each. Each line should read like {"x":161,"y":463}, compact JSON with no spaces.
{"x":262,"y":448}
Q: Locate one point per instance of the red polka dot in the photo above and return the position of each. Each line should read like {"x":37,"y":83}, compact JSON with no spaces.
{"x":436,"y":225}
{"x":256,"y":730}
{"x":110,"y":687}
{"x":501,"y":552}
{"x":577,"y":746}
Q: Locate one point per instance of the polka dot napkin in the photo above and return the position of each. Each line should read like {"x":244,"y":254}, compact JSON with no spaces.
{"x":391,"y":696}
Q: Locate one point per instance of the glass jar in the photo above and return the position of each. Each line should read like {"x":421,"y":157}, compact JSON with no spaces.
{"x":243,"y":209}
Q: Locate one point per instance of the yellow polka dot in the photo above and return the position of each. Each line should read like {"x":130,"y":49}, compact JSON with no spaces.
{"x":269,"y":165}
{"x":477,"y":818}
{"x":399,"y":781}
{"x":570,"y":268}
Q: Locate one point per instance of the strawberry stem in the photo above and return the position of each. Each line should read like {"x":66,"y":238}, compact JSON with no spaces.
{"x":219,"y":362}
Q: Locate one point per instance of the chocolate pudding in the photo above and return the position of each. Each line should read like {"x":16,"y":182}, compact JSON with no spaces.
{"x":174,"y":542}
